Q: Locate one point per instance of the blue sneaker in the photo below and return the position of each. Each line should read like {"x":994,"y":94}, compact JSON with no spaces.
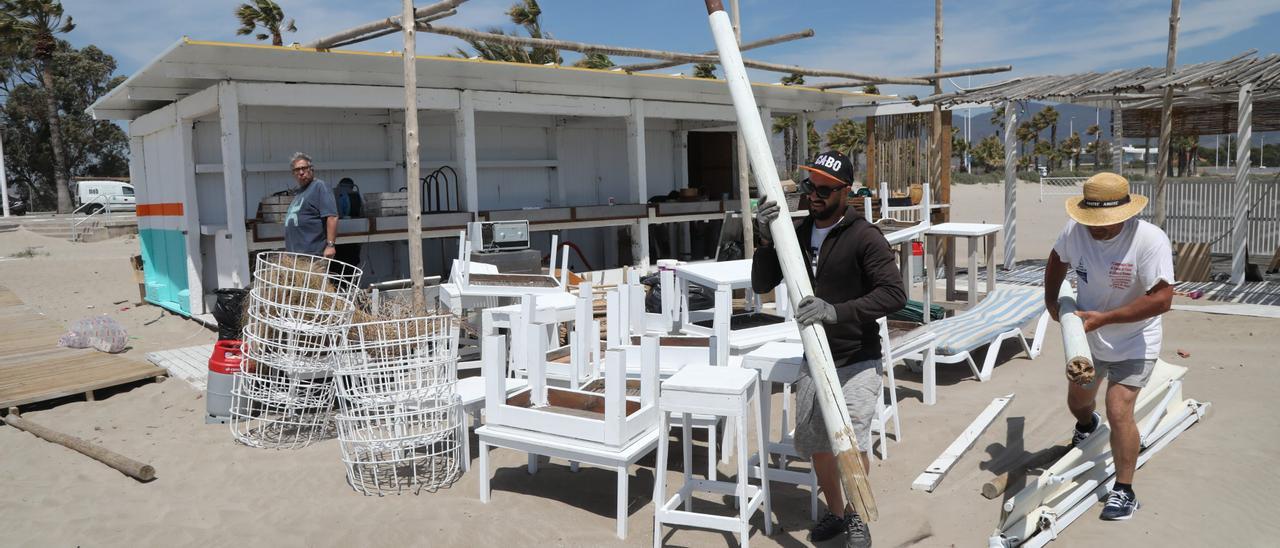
{"x":1078,"y":437}
{"x":1121,"y":505}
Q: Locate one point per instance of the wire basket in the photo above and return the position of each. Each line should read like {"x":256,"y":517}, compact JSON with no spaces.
{"x":398,"y":360}
{"x":401,"y":447}
{"x":276,"y":408}
{"x":289,"y":350}
{"x":304,"y":293}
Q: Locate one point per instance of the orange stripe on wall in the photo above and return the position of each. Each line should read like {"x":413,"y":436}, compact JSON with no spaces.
{"x":159,"y":210}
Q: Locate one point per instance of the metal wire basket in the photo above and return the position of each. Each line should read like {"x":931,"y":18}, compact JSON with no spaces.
{"x":303,"y":293}
{"x":401,"y":447}
{"x":276,"y":408}
{"x":398,"y":360}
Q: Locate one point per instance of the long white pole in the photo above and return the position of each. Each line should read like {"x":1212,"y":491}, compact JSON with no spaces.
{"x":411,"y":156}
{"x":744,"y":169}
{"x":4,"y":182}
{"x":795,"y":273}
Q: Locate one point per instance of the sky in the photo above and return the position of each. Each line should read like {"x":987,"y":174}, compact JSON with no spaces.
{"x":886,"y":38}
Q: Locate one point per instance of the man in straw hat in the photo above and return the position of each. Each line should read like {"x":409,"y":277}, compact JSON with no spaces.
{"x":855,"y":282}
{"x":1124,"y":272}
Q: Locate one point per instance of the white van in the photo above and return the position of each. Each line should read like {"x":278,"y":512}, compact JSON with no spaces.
{"x":110,"y":195}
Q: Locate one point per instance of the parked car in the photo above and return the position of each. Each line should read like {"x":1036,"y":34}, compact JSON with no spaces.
{"x":94,"y":196}
{"x":17,"y":206}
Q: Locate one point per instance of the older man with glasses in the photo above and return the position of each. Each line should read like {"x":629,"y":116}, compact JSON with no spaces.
{"x":855,"y":282}
{"x":311,"y":225}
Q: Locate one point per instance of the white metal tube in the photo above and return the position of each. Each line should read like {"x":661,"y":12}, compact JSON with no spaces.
{"x":817,"y":352}
{"x":1071,"y":474}
{"x":1011,"y":184}
{"x":1074,"y":343}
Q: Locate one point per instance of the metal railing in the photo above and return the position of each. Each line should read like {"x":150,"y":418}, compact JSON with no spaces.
{"x":1203,"y":211}
{"x":78,"y":228}
{"x":1061,"y":186}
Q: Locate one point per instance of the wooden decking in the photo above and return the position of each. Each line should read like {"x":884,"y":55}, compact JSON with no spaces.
{"x":190,"y":363}
{"x":33,"y":368}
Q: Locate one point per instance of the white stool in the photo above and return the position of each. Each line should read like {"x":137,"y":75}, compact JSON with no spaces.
{"x":781,"y":362}
{"x":720,"y":391}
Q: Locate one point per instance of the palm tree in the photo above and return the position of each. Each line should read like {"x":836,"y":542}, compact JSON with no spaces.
{"x":597,"y":61}
{"x":527,"y":14}
{"x":849,"y":137}
{"x":1024,"y":133}
{"x":1096,"y":132}
{"x":28,"y":27}
{"x":266,"y":14}
{"x":786,"y":125}
{"x":1051,"y":121}
{"x":704,"y":70}
{"x":1071,"y":148}
{"x":871,"y":89}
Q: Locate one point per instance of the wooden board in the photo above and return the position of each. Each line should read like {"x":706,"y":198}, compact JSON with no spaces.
{"x":33,"y":368}
{"x":190,"y":364}
{"x":1191,"y":262}
{"x":936,"y":471}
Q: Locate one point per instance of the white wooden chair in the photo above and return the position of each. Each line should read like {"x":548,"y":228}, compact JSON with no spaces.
{"x":611,"y":431}
{"x":886,"y":411}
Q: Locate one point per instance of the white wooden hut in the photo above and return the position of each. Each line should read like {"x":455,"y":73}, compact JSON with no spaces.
{"x":212,"y":127}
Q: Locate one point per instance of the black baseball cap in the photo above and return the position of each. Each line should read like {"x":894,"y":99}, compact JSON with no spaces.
{"x":833,"y":165}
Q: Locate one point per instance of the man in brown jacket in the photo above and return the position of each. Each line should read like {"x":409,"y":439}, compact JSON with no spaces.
{"x":855,"y":282}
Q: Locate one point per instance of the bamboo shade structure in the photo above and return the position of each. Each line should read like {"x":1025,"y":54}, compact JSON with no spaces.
{"x":900,"y":152}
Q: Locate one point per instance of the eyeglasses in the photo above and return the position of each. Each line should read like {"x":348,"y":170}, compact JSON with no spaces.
{"x":823,"y":192}
{"x":301,"y":169}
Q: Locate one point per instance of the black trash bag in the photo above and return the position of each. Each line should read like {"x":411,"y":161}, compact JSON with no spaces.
{"x":228,"y":311}
{"x":699,"y":297}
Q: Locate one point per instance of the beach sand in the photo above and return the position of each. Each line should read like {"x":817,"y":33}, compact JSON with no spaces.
{"x":1213,"y":486}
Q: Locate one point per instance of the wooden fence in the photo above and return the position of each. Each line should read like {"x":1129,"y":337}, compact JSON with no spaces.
{"x":1202,"y":211}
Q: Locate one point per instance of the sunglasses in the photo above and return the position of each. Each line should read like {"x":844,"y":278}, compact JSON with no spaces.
{"x":823,"y":192}
{"x":301,"y":169}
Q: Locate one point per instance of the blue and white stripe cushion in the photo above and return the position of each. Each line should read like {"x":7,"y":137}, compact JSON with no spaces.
{"x":1002,"y":310}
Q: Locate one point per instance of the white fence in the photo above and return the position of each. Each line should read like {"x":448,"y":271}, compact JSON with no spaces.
{"x":1061,"y":186}
{"x":1201,"y":211}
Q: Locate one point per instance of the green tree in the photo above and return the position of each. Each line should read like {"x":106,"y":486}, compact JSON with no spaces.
{"x":28,"y":29}
{"x":786,"y":125}
{"x":1025,"y":133}
{"x":1049,"y":120}
{"x":597,"y":61}
{"x":871,"y":89}
{"x":704,"y":70}
{"x":266,"y":14}
{"x":528,"y":15}
{"x":989,"y":153}
{"x":91,"y":147}
{"x":959,"y":146}
{"x":1071,"y":148}
{"x":849,"y":137}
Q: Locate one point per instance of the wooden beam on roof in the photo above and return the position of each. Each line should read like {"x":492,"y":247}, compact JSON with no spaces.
{"x":580,"y":47}
{"x":935,"y":76}
{"x":781,"y":38}
{"x":381,"y":25}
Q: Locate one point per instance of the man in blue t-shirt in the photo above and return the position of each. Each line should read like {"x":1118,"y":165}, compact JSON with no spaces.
{"x":311,"y":225}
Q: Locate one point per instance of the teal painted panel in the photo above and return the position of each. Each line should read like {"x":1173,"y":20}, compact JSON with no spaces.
{"x":164,"y":255}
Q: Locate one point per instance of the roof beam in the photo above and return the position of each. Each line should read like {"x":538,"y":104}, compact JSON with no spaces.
{"x":352,"y":35}
{"x":806,"y":33}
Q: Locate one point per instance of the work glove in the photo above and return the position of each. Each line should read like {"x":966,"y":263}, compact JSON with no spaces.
{"x":813,"y":310}
{"x":766,"y":212}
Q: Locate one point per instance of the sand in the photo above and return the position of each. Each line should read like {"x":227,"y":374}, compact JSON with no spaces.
{"x":1213,"y":486}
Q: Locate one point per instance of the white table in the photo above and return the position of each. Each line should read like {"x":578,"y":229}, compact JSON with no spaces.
{"x":971,"y":232}
{"x":724,"y":278}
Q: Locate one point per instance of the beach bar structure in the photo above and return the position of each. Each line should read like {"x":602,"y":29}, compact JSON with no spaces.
{"x":577,"y":152}
{"x":1236,"y":96}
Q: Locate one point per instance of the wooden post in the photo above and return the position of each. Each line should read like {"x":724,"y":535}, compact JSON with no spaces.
{"x":939,"y":162}
{"x":638,"y":175}
{"x":1166,"y":117}
{"x":126,"y":465}
{"x":802,"y":143}
{"x":853,"y":476}
{"x":464,"y":121}
{"x":1240,"y":211}
{"x":744,"y":167}
{"x":233,"y":182}
{"x":869,"y":180}
{"x":1010,"y":184}
{"x":411,"y":158}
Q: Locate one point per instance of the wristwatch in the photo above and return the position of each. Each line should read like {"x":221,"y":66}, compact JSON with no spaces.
{"x":330,"y":243}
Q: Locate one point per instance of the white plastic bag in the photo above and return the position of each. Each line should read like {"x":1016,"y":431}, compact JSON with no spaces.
{"x":100,"y":332}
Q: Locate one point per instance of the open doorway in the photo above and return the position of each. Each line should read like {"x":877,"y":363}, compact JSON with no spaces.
{"x":712,"y":165}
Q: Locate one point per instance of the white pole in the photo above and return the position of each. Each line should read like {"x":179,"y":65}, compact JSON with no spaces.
{"x":1010,"y":186}
{"x":853,"y":477}
{"x":1239,"y":225}
{"x":744,"y":167}
{"x":1262,"y":149}
{"x":4,"y":182}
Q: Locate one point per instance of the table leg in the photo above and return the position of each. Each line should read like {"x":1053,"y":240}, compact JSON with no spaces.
{"x":991,"y":263}
{"x":973,"y":271}
{"x":950,"y":267}
{"x":904,"y":260}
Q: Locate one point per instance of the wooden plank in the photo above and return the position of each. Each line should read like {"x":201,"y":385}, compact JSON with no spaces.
{"x":34,"y":369}
{"x":932,"y":475}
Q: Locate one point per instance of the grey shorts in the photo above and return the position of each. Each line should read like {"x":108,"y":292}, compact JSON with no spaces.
{"x":1135,"y":372}
{"x":861,"y":386}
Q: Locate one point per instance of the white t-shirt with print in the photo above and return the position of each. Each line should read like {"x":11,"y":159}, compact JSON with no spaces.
{"x":1113,"y":273}
{"x":815,"y":246}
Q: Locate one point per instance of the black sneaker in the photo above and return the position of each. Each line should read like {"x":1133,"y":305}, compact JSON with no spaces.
{"x":1078,"y":437}
{"x":1121,"y":505}
{"x":827,"y":528}
{"x":857,"y":534}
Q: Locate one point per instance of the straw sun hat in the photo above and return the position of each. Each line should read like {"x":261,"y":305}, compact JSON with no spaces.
{"x":1106,"y":201}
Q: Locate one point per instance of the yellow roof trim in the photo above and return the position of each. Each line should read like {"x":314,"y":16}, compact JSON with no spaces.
{"x":298,"y":48}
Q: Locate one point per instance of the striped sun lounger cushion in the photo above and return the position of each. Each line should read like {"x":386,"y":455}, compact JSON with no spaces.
{"x":1002,"y":310}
